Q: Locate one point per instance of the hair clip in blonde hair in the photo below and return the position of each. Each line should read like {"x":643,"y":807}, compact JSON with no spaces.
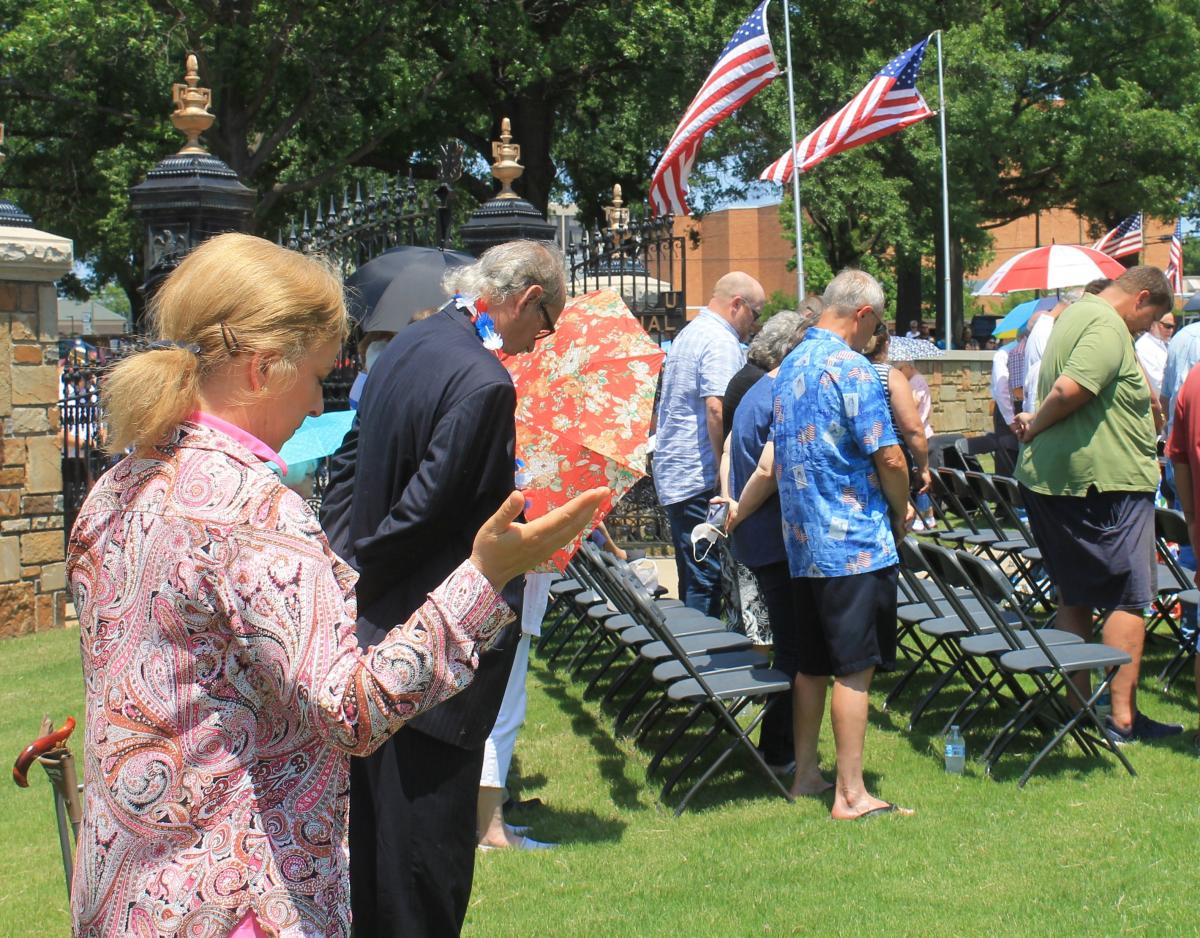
{"x":229,"y":338}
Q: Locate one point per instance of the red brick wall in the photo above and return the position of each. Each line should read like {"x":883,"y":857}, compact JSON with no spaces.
{"x":749,"y":239}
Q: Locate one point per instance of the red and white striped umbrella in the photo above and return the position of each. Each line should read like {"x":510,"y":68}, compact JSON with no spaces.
{"x":1050,"y":268}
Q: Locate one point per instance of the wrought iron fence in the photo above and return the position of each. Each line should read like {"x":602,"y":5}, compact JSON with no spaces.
{"x":81,"y":422}
{"x":642,"y":259}
{"x":638,"y":518}
{"x":359,"y":229}
{"x":362,"y":228}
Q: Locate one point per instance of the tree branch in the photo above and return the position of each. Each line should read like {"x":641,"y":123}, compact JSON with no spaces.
{"x":274,"y":56}
{"x":80,"y":104}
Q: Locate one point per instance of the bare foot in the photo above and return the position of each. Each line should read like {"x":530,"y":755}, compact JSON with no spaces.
{"x":502,"y":842}
{"x":810,"y":784}
{"x":867,"y":805}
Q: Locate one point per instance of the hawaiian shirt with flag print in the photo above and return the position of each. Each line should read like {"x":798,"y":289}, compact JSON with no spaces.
{"x":830,"y":416}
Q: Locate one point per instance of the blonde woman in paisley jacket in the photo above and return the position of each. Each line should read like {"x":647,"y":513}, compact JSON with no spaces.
{"x":225,"y":688}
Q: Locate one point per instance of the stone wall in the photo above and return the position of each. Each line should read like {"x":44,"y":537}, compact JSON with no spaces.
{"x":960,"y":384}
{"x":32,"y":577}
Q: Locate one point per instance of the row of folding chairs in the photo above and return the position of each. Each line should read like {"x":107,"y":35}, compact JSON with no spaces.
{"x":998,"y":658}
{"x":1176,"y":587}
{"x":981,"y":516}
{"x":653,"y":661}
{"x":984,"y":513}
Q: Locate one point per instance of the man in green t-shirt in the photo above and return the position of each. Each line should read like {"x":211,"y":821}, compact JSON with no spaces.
{"x":1088,"y":471}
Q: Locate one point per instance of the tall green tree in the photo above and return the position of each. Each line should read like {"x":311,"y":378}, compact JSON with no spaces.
{"x":304,"y":89}
{"x":1048,"y":104}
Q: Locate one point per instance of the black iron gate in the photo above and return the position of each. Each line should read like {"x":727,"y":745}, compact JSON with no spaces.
{"x":642,"y":259}
{"x":362,"y":228}
{"x":645,"y":261}
{"x":81,"y":422}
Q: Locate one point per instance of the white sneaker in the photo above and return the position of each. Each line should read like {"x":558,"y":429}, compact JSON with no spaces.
{"x":918,"y":525}
{"x":523,"y":843}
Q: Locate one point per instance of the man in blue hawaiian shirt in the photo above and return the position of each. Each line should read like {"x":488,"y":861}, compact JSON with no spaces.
{"x":843,"y":487}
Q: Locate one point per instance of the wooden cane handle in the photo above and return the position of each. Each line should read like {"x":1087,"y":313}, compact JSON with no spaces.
{"x":38,"y":747}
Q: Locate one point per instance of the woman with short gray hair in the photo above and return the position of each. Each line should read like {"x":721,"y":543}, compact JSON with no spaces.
{"x":778,"y":336}
{"x":765,"y":609}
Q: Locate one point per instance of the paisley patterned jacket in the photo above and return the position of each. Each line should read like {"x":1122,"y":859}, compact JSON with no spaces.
{"x":226,"y":692}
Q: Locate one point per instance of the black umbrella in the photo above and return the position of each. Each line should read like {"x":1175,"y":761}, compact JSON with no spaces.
{"x":1193,"y":303}
{"x":384,"y":293}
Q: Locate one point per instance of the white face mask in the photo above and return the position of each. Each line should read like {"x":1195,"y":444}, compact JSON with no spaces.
{"x":704,"y":535}
{"x":374,"y":350}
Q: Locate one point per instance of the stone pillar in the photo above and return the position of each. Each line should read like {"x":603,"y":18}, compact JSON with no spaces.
{"x":32,"y":577}
{"x":960,"y":386}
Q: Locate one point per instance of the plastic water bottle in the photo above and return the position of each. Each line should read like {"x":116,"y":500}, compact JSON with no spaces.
{"x":1104,"y":701}
{"x":956,"y":751}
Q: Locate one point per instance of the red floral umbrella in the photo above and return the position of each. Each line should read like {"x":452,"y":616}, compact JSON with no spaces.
{"x":584,"y":401}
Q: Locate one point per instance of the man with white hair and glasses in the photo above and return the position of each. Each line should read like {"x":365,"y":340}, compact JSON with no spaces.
{"x":432,"y":451}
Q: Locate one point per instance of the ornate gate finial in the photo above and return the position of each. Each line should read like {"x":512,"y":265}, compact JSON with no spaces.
{"x":616,"y":215}
{"x":507,"y":155}
{"x":191,"y":116}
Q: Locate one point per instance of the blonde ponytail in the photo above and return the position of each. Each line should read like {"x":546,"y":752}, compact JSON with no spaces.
{"x":147,"y":395}
{"x":235,"y":294}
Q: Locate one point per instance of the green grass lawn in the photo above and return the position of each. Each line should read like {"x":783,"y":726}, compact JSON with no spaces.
{"x":39,"y":674}
{"x":1083,"y":849}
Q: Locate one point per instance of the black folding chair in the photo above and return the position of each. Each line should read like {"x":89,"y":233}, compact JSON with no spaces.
{"x":1170,"y":527}
{"x":984,"y":645}
{"x":1010,"y":541}
{"x":946,"y":509}
{"x":1049,"y":669}
{"x":723,"y":696}
{"x":1011,"y":504}
{"x":634,"y":639}
{"x":964,"y":620}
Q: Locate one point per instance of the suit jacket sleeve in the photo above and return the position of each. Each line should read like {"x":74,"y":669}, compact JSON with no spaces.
{"x":470,"y":454}
{"x":335,"y":506}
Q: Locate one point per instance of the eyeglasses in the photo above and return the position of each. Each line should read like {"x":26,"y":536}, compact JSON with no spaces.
{"x":879,"y":326}
{"x":1169,"y":326}
{"x":750,"y":306}
{"x":548,"y":329}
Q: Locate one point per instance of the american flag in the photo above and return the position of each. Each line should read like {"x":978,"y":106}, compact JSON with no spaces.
{"x":1175,"y":258}
{"x":745,"y":67}
{"x":890,"y":102}
{"x":1123,"y":240}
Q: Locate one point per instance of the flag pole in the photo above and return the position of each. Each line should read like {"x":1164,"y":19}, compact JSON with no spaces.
{"x":945,"y":195}
{"x":787,"y":41}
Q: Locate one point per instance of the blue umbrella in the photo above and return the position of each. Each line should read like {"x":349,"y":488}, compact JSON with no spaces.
{"x":317,"y":437}
{"x":1020,"y":314}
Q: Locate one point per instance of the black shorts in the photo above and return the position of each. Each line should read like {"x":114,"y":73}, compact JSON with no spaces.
{"x":847,"y":623}
{"x":1098,"y":548}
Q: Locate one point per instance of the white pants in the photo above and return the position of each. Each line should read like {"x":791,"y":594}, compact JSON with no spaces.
{"x":498,"y":750}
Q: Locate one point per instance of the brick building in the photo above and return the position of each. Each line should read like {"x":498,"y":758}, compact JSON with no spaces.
{"x":753,"y":240}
